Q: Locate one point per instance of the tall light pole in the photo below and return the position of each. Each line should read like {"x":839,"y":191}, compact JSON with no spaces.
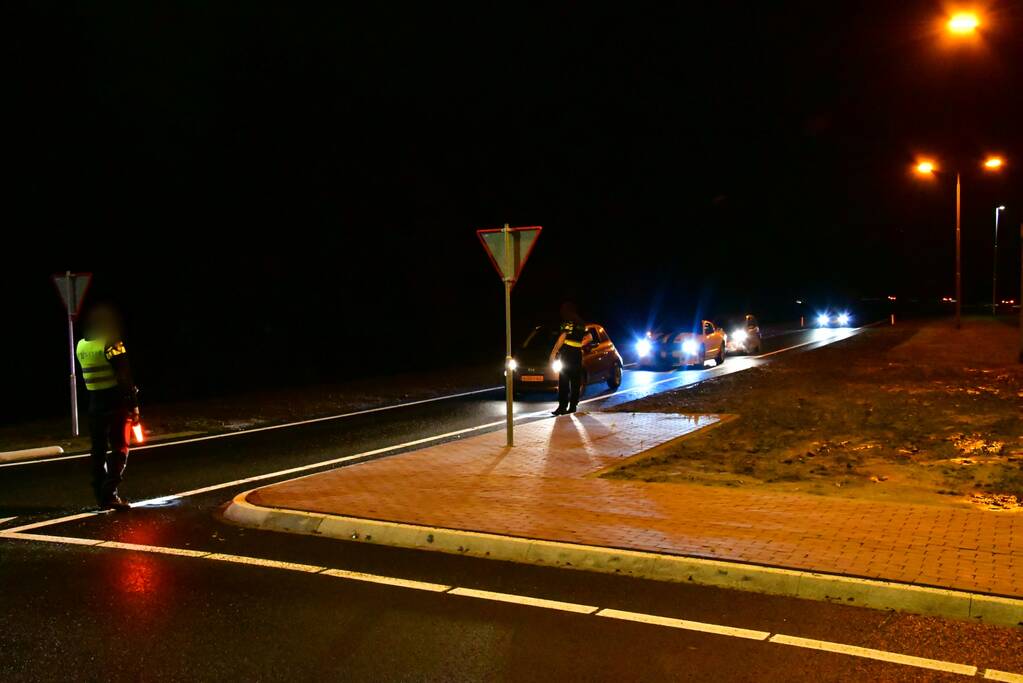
{"x":994,"y":268}
{"x":930,"y":168}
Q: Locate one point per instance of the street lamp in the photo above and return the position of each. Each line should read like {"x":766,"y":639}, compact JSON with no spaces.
{"x":927,"y":167}
{"x":963,"y":23}
{"x":994,"y":269}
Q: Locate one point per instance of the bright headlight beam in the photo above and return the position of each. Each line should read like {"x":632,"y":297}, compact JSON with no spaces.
{"x":823,"y":319}
{"x":557,"y":365}
{"x":689,"y":347}
{"x":739,"y":336}
{"x":512,"y":364}
{"x":642,"y":347}
{"x":843,"y":319}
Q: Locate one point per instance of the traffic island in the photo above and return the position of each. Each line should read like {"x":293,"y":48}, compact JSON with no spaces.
{"x":540,"y":503}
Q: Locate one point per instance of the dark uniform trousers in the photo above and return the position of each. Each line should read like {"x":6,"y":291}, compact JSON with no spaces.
{"x":571,"y":377}
{"x":110,"y":428}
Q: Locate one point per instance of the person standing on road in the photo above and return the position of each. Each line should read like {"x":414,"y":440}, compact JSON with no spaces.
{"x":570,"y":376}
{"x":113,"y":402}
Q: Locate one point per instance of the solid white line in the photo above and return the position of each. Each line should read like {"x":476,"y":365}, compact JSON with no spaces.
{"x":386,"y":449}
{"x":240,"y":432}
{"x":3,"y":520}
{"x":51,"y":522}
{"x":870,"y":653}
{"x":525,"y":600}
{"x":387,"y":580}
{"x":684,"y":624}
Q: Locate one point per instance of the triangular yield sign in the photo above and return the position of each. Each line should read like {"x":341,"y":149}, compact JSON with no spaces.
{"x":520,"y":242}
{"x":72,"y":288}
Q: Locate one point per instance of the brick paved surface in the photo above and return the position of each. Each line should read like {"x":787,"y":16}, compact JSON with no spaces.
{"x":540,"y":489}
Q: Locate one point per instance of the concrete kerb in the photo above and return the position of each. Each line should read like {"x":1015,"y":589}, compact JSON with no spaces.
{"x":846,"y":590}
{"x":30,"y":453}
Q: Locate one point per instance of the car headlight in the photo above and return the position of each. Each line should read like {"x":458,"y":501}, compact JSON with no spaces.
{"x":843,"y":319}
{"x":512,"y":364}
{"x":643,"y":347}
{"x":690,"y":347}
{"x":823,"y":319}
{"x":739,"y":336}
{"x":557,"y":365}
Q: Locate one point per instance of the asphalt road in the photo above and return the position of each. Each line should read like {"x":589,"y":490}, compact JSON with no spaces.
{"x":74,"y":612}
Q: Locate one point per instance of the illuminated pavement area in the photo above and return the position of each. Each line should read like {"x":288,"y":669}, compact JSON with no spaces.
{"x":71,"y":611}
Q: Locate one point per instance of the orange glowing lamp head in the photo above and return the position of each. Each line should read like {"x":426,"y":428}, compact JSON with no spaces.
{"x":994,"y":163}
{"x":963,"y":23}
{"x":925,"y":167}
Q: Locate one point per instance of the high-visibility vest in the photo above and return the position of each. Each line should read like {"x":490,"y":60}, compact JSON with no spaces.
{"x":94,"y":357}
{"x":574,"y":334}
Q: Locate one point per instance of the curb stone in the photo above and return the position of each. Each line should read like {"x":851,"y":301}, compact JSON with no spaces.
{"x":846,"y":590}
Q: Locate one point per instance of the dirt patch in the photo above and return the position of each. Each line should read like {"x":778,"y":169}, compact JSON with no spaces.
{"x":919,"y":413}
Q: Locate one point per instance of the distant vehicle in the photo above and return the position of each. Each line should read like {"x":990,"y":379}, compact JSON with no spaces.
{"x":743,"y":335}
{"x":535,"y":367}
{"x":833,"y":319}
{"x":687,"y":349}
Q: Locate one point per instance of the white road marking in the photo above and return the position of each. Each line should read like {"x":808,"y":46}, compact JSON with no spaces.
{"x":51,"y":522}
{"x":541,"y":603}
{"x":4,"y":520}
{"x":395,"y":406}
{"x":525,"y":600}
{"x":684,"y":624}
{"x":240,"y":432}
{"x":870,"y":653}
{"x":386,"y":449}
{"x":387,"y":580}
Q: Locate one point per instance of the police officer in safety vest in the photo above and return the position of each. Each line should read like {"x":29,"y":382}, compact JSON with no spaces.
{"x":113,"y":402}
{"x":570,"y":378}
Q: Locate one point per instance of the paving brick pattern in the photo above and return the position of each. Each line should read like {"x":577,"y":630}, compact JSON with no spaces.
{"x":541,"y":489}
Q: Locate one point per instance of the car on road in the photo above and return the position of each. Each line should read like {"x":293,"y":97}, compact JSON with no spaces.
{"x":833,"y":318}
{"x":743,"y":335}
{"x":535,"y":366}
{"x":660,"y":349}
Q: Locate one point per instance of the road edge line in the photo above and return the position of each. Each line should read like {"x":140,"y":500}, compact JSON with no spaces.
{"x":833,"y":588}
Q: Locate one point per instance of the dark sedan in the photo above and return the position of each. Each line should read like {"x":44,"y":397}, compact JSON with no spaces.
{"x":536,"y":365}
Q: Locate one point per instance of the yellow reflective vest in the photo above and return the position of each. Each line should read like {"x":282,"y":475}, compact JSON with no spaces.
{"x":94,"y":357}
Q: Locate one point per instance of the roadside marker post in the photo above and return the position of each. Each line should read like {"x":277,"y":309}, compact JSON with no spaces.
{"x":508,"y":249}
{"x":72,"y":288}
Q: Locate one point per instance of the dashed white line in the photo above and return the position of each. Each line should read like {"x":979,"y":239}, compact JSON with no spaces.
{"x":869,"y":653}
{"x":525,"y":600}
{"x":4,"y":520}
{"x":684,"y":624}
{"x":543,"y":603}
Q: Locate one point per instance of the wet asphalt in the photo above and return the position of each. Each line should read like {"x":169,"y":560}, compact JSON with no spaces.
{"x":71,"y":612}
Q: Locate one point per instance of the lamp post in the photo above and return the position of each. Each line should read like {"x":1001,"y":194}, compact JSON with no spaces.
{"x":994,"y":268}
{"x":930,"y":168}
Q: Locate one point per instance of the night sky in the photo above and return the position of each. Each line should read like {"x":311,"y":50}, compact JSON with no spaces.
{"x":296,"y":187}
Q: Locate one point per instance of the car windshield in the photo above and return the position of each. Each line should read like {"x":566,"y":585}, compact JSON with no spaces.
{"x":542,"y":338}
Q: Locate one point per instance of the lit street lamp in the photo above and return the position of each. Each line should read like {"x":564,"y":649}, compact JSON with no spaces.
{"x":994,"y":269}
{"x":963,"y":23}
{"x":929,"y":168}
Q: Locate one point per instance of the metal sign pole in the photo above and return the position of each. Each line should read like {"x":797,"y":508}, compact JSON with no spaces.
{"x":71,"y":353}
{"x":509,"y":374}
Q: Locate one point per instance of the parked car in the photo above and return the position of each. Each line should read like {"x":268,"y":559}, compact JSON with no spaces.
{"x":536,"y":367}
{"x":687,"y":349}
{"x":743,"y":335}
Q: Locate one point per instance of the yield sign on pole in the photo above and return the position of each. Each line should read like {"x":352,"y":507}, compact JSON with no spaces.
{"x":508,"y":256}
{"x":71,"y":287}
{"x":508,"y":249}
